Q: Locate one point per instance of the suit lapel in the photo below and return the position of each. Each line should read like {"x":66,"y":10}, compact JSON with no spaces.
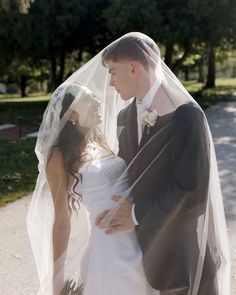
{"x":132,"y":131}
{"x":161,"y":121}
{"x":145,"y":137}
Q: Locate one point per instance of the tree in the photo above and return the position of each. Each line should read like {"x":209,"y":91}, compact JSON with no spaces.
{"x":126,"y":15}
{"x":92,"y":33}
{"x":159,"y":19}
{"x":52,"y":32}
{"x":215,"y":21}
{"x":63,"y":27}
{"x":12,"y":13}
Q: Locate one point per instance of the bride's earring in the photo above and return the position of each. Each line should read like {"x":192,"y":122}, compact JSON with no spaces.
{"x":73,"y":122}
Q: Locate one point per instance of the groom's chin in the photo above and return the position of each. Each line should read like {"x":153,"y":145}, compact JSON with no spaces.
{"x":125,"y":98}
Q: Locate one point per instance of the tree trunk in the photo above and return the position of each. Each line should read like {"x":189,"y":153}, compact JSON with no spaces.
{"x":176,"y":66}
{"x":52,"y":84}
{"x":79,"y":58}
{"x":169,"y":54}
{"x":233,"y":72}
{"x":186,"y":73}
{"x":201,"y":76}
{"x":211,"y":75}
{"x":23,"y":84}
{"x":62,"y":67}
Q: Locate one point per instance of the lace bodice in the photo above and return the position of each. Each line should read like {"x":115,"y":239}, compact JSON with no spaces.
{"x":112,"y":264}
{"x":102,"y":178}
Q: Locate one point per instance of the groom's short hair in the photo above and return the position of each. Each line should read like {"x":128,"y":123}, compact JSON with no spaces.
{"x":133,"y":46}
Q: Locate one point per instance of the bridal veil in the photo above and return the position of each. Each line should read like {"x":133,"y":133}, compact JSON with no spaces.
{"x":91,"y":84}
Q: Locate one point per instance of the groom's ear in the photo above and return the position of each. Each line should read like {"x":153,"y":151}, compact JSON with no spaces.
{"x":134,"y":67}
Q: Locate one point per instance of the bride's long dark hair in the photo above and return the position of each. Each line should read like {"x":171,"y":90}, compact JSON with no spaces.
{"x":70,"y":140}
{"x":72,"y":143}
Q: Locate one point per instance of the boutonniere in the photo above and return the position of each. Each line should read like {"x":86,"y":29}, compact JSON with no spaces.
{"x":148,"y":118}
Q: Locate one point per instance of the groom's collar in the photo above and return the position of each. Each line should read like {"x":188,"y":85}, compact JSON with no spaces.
{"x":148,"y":98}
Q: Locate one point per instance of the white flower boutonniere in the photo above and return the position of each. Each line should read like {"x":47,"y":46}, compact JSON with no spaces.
{"x":148,"y":118}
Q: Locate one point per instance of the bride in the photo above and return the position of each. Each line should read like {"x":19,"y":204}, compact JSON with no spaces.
{"x":87,"y":172}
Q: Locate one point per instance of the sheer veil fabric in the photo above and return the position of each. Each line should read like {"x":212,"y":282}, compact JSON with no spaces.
{"x":173,"y":177}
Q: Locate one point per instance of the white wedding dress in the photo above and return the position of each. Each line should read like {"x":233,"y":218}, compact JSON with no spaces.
{"x":112,"y":264}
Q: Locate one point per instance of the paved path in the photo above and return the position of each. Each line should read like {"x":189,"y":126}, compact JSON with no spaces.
{"x":222,"y":121}
{"x":17,"y":271}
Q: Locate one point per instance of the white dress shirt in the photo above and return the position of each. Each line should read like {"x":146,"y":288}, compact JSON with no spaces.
{"x":142,"y":106}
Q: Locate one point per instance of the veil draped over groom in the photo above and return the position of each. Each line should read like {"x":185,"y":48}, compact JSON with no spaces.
{"x":173,"y":175}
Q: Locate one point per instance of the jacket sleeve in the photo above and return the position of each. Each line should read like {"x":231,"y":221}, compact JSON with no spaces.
{"x":120,"y":135}
{"x":189,"y":154}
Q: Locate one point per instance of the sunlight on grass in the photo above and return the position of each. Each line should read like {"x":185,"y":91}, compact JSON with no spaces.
{"x":32,"y":98}
{"x":193,"y":86}
{"x":223,"y":87}
{"x":224,"y":90}
{"x":227,"y":81}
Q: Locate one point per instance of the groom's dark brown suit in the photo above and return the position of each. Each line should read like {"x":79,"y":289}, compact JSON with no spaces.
{"x":170,"y":197}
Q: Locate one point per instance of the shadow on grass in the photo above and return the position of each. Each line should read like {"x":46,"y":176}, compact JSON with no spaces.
{"x":18,"y":166}
{"x":30,"y":112}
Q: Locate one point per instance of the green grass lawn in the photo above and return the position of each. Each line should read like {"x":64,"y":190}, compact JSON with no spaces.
{"x":31,"y":98}
{"x":18,"y":166}
{"x":30,"y":112}
{"x":224,"y":90}
{"x":29,"y":109}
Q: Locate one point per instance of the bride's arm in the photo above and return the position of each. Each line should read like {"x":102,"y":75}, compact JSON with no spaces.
{"x":57,"y":179}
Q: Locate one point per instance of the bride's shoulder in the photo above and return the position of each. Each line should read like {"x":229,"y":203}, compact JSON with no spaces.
{"x":55,"y":162}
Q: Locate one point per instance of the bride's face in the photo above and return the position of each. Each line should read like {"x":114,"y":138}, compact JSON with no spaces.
{"x":91,"y":116}
{"x":86,"y":114}
{"x":123,"y":77}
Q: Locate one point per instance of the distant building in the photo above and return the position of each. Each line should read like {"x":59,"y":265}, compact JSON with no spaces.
{"x":7,"y":87}
{"x":3,"y":87}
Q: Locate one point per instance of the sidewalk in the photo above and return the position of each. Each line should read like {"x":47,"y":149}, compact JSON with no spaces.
{"x":222,"y":121}
{"x":18,"y":274}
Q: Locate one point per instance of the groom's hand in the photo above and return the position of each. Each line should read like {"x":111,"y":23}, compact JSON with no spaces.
{"x":100,"y":218}
{"x":119,"y":221}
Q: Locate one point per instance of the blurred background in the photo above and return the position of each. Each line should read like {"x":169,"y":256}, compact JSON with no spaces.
{"x":42,"y":42}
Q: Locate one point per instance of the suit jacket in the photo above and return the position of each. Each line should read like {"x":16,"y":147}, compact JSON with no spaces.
{"x":171,"y":194}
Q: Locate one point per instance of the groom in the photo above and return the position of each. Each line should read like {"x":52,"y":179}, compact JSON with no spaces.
{"x":172,"y":193}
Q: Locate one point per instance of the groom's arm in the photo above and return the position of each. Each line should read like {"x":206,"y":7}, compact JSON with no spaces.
{"x":190,"y":168}
{"x":121,"y":132}
{"x":190,"y":164}
{"x":127,"y":206}
{"x":121,"y":139}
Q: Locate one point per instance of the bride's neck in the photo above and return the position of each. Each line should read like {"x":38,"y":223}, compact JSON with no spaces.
{"x":95,"y":150}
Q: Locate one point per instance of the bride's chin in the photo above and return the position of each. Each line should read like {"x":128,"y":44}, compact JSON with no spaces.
{"x":83,"y":130}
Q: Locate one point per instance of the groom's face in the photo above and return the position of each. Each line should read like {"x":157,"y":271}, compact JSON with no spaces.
{"x":122,"y":78}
